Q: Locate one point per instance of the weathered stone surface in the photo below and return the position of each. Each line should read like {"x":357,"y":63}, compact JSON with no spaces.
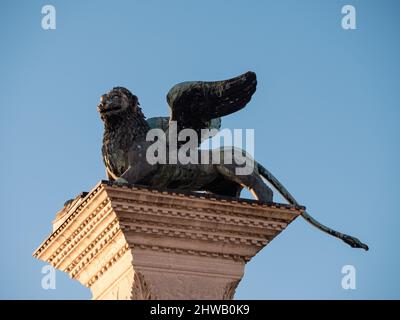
{"x":130,"y":242}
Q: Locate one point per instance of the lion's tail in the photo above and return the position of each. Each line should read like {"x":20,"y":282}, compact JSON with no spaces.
{"x":351,"y":241}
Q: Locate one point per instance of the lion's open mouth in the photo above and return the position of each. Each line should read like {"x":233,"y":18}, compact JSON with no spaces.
{"x":103,"y":109}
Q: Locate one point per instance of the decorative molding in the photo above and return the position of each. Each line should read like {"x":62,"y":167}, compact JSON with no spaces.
{"x":206,"y":235}
{"x":108,"y":265}
{"x":90,"y":252}
{"x":200,"y":253}
{"x":80,"y":233}
{"x":70,"y":218}
{"x":195,"y":213}
{"x":199,"y":196}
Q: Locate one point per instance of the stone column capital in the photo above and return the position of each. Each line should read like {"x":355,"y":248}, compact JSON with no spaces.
{"x":133,"y":242}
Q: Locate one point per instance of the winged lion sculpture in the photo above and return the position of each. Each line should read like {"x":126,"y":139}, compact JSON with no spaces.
{"x":195,"y":105}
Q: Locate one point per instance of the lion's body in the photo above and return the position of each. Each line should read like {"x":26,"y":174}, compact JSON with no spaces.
{"x":128,"y":163}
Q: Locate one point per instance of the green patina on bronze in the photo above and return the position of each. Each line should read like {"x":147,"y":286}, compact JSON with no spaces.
{"x":196,"y":105}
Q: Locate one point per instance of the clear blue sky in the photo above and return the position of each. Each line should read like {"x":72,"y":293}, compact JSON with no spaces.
{"x":326,"y":118}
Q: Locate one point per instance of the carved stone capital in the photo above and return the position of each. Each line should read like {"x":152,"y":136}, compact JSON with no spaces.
{"x":131,"y":242}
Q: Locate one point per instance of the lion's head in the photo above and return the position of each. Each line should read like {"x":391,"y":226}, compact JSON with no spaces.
{"x":118,"y":103}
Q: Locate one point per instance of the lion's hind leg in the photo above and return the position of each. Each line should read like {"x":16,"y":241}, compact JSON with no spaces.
{"x":253,"y":182}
